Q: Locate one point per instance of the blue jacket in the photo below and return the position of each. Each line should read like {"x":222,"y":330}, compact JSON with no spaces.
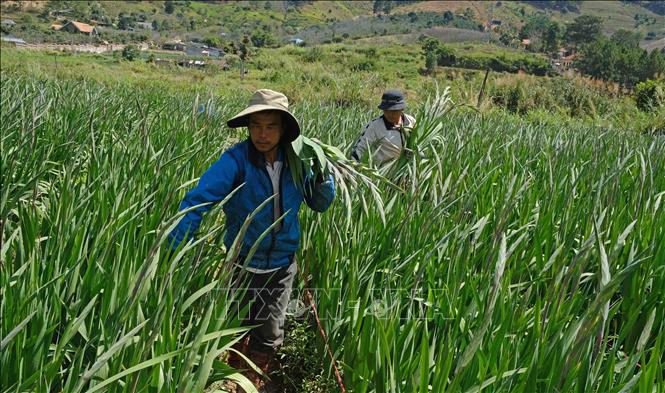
{"x":242,"y":163}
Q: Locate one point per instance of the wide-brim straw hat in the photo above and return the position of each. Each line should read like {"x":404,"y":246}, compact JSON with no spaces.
{"x":268,"y":100}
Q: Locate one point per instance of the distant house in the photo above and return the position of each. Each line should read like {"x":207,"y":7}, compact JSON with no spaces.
{"x":8,"y":22}
{"x":79,"y":28}
{"x":192,"y":63}
{"x":56,"y":26}
{"x":297,"y":42}
{"x":496,"y":22}
{"x":194,"y":49}
{"x":13,"y":40}
{"x":144,"y":25}
{"x":179,"y":46}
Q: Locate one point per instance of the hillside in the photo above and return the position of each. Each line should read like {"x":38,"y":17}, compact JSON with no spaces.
{"x":618,"y":14}
{"x":315,"y":21}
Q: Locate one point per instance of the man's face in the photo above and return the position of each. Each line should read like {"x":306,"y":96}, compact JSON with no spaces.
{"x":393,"y":116}
{"x":265,"y":130}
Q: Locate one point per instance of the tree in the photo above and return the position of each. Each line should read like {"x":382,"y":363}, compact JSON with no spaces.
{"x":386,"y":6}
{"x":535,"y":26}
{"x":96,"y":11}
{"x":584,"y":29}
{"x":429,"y":44}
{"x":654,"y":65}
{"x":126,"y":22}
{"x":508,"y":38}
{"x":169,"y":7}
{"x":542,"y":30}
{"x":608,"y":60}
{"x":213,"y":42}
{"x":445,"y":56}
{"x":243,"y":50}
{"x":627,"y":37}
{"x":130,"y":52}
{"x":551,"y":37}
{"x":297,"y":3}
{"x":261,"y":38}
{"x":430,"y":62}
{"x":469,"y":14}
{"x":165,"y":25}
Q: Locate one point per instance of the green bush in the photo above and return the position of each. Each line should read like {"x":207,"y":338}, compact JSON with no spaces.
{"x":555,"y":95}
{"x":363,"y":65}
{"x":232,"y":60}
{"x":313,"y":55}
{"x":445,"y":56}
{"x":650,"y":95}
{"x":430,"y":62}
{"x":213,"y":41}
{"x":263,"y":38}
{"x":131,"y":52}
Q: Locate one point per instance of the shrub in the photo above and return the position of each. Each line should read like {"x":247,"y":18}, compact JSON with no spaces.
{"x":313,"y":55}
{"x":131,"y":52}
{"x":263,"y":38}
{"x":363,"y":65}
{"x":445,"y":56}
{"x":650,"y":95}
{"x":430,"y":62}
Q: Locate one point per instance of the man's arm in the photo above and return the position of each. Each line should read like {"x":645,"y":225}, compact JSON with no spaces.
{"x":319,"y":192}
{"x":367,"y":137}
{"x":410,"y":121}
{"x":214,"y":185}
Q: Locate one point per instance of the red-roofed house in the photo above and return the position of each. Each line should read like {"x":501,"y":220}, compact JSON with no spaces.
{"x":79,"y":27}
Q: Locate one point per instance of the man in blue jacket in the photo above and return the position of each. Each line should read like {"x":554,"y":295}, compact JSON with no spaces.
{"x":259,"y":167}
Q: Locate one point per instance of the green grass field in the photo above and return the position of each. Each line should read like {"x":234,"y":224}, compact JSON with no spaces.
{"x":523,"y":254}
{"x":356,"y":74}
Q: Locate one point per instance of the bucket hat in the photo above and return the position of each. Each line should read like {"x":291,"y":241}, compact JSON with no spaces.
{"x":268,"y":100}
{"x":392,"y":100}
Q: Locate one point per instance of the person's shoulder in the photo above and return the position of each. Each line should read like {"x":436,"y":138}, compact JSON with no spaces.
{"x":375,"y":121}
{"x":238,"y":148}
{"x":237,"y":153}
{"x":409,"y":119}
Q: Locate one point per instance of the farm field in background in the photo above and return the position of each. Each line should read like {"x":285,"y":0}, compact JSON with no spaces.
{"x":348,"y":75}
{"x":520,"y":256}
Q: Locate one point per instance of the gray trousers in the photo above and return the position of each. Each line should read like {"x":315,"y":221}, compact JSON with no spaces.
{"x":267,"y":296}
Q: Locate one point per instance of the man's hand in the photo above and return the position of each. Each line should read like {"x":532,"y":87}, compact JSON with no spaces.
{"x":318,"y":179}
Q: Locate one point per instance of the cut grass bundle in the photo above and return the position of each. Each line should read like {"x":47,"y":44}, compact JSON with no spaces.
{"x":325,"y":160}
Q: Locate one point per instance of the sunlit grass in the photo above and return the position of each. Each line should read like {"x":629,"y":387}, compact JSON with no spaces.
{"x":516,"y":257}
